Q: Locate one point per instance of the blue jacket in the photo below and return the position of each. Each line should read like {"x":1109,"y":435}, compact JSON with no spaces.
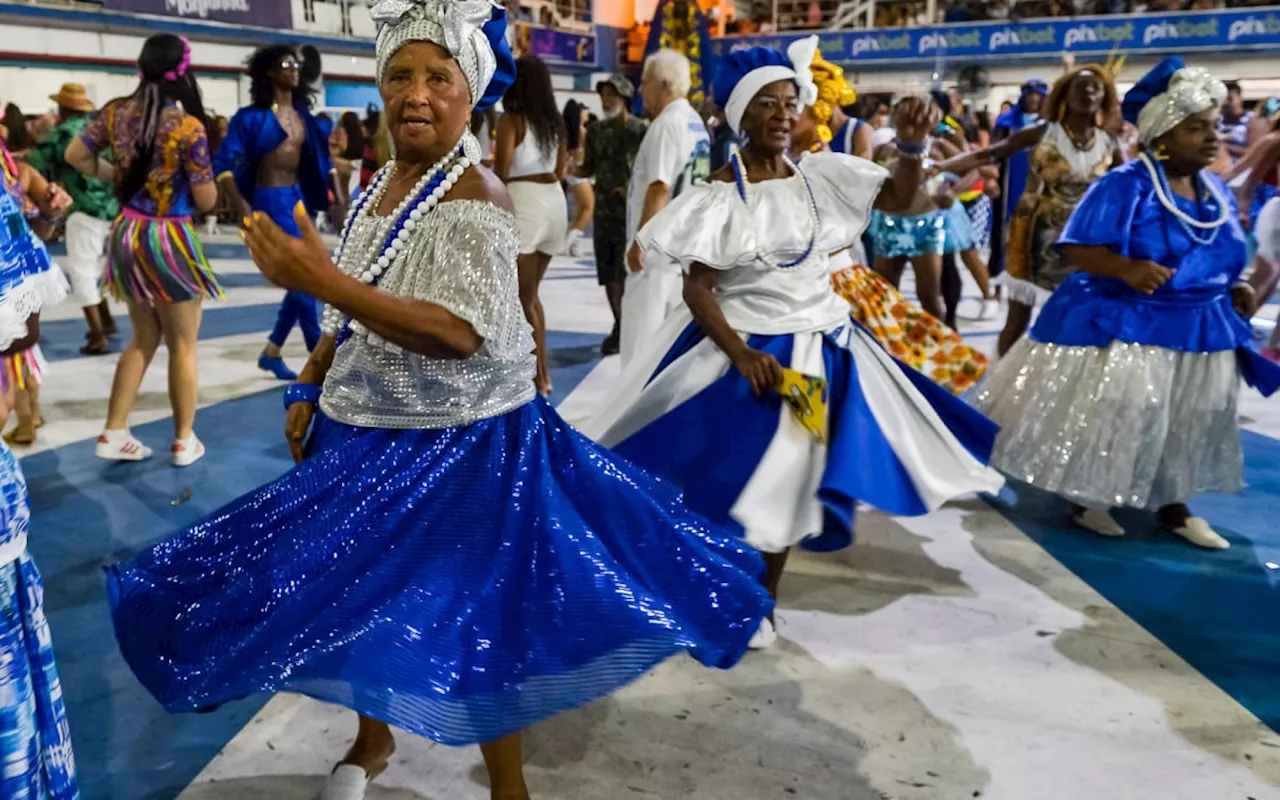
{"x":255,"y":133}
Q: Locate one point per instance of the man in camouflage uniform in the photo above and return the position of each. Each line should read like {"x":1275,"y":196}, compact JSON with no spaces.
{"x":610,"y":153}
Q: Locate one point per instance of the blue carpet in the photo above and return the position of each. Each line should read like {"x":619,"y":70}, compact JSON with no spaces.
{"x":1216,"y":609}
{"x":88,"y":513}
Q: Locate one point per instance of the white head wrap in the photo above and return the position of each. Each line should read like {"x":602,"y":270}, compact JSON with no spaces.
{"x":800,"y":53}
{"x":1191,"y":90}
{"x":455,"y":25}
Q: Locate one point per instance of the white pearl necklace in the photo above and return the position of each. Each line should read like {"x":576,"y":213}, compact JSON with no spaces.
{"x":744,"y":189}
{"x":333,"y":320}
{"x":1157,"y":177}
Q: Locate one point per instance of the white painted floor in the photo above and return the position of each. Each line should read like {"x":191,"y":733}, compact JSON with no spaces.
{"x":942,"y":658}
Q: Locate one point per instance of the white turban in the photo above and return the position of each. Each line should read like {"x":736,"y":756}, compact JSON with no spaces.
{"x":750,"y":79}
{"x":1191,"y":90}
{"x":455,"y":25}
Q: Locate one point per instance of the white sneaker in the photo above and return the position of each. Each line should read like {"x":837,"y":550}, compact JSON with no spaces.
{"x":121,"y":446}
{"x":764,"y":637}
{"x":186,"y":452}
{"x":576,"y":245}
{"x":346,"y":782}
{"x":1098,"y":521}
{"x":990,"y":308}
{"x":1198,"y":532}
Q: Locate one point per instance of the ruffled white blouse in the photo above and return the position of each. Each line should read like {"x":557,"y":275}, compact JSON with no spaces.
{"x":711,"y":224}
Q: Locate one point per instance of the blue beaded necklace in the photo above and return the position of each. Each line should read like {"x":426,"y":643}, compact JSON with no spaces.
{"x":1205,"y":190}
{"x":440,"y":179}
{"x":739,"y":178}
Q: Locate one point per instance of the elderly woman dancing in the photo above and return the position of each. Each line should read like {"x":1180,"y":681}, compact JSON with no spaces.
{"x":1126,"y":392}
{"x":704,"y":405}
{"x":450,"y":558}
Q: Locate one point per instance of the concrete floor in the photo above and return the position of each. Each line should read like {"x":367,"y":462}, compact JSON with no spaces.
{"x":948,"y":657}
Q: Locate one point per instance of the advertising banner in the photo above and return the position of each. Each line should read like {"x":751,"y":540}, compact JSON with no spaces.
{"x":263,"y":13}
{"x":1131,"y":34}
{"x":554,"y":46}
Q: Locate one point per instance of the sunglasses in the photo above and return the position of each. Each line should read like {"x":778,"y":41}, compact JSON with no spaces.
{"x":290,"y":63}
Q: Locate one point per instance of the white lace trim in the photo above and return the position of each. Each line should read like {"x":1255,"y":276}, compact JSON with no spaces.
{"x":35,"y":293}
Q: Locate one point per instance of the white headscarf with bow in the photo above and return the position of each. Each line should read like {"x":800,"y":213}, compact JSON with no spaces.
{"x":1191,"y":90}
{"x":801,"y":53}
{"x":455,"y":25}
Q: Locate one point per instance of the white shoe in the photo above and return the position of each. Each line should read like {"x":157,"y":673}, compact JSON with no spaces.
{"x":1197,"y":531}
{"x":764,"y":637}
{"x":186,"y":452}
{"x":576,"y":247}
{"x":1098,"y":521}
{"x":346,"y":782}
{"x":990,"y":308}
{"x":121,"y":446}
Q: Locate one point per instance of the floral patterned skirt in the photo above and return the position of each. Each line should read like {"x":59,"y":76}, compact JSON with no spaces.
{"x":910,"y":334}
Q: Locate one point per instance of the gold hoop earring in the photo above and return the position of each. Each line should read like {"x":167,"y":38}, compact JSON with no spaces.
{"x":1159,"y":153}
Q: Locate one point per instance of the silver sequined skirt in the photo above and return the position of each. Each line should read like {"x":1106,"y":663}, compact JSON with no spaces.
{"x":1126,"y":425}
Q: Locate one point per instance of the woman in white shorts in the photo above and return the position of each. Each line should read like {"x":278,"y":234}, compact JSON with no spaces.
{"x":531,"y":158}
{"x":1266,"y":233}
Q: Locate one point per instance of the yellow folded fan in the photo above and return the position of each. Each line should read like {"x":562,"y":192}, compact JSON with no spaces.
{"x":807,"y":396}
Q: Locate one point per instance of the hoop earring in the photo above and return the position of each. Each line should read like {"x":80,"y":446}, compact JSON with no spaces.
{"x":1159,"y":153}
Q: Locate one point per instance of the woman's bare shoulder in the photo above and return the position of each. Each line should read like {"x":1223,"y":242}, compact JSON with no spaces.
{"x":479,"y":183}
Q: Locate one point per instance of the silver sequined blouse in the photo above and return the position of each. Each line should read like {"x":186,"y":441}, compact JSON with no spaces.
{"x":462,"y":256}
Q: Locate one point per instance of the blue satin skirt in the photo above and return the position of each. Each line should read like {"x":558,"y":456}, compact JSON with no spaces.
{"x":713,"y":444}
{"x":460,"y":583}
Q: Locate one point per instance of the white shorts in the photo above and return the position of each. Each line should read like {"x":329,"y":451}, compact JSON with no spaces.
{"x":1267,"y":231}
{"x":86,"y":251}
{"x":542,"y":215}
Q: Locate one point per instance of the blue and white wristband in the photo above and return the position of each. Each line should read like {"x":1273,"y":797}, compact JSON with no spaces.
{"x":307,"y":393}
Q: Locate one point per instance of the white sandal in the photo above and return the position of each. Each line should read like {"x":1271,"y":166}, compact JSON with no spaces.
{"x":346,"y":782}
{"x":1098,"y":521}
{"x":764,"y":637}
{"x":1197,"y":531}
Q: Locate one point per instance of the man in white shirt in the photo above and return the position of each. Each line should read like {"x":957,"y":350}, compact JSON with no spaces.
{"x":676,"y":151}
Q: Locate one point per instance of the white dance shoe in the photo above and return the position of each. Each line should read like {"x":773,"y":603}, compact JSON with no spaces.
{"x":1197,"y":531}
{"x":1099,"y":521}
{"x":989,"y":309}
{"x":764,"y":637}
{"x":346,"y":782}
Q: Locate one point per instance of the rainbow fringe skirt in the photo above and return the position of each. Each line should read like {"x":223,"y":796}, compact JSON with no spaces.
{"x":157,"y":260}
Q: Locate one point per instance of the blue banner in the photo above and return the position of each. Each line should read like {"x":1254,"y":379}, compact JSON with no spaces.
{"x":1127,"y":34}
{"x":558,"y":47}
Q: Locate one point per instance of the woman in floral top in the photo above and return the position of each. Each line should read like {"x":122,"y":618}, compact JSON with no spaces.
{"x":163,"y":174}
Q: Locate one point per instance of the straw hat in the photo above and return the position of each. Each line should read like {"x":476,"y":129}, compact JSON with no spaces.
{"x":72,"y":96}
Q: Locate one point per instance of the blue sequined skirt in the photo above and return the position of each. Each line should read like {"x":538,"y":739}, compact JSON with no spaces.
{"x":460,"y":583}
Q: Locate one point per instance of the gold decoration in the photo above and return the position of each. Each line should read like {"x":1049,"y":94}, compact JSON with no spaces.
{"x":833,"y":92}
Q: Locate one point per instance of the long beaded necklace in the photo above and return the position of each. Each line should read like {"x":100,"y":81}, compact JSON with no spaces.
{"x":744,"y":191}
{"x":425,"y":195}
{"x":1189,"y":224}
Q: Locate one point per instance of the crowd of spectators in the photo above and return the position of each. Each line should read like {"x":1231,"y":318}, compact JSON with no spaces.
{"x":798,"y":15}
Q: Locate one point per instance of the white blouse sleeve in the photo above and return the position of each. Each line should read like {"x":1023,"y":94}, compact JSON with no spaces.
{"x":844,"y":188}
{"x":707,"y":224}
